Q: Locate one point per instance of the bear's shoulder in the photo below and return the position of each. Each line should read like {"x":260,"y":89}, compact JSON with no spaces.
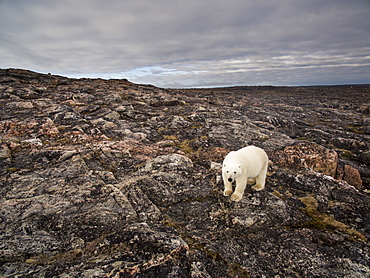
{"x":233,"y":157}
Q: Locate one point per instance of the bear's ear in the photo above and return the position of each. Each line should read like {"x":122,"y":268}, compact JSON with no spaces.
{"x":240,"y":166}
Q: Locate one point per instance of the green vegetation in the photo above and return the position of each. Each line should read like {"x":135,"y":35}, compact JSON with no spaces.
{"x":325,"y":222}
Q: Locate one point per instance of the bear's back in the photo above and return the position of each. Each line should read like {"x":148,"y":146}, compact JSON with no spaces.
{"x":252,"y":153}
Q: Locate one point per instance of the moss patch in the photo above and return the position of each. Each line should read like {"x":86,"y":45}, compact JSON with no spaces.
{"x":325,"y":222}
{"x":171,"y":137}
{"x":185,"y":147}
{"x":66,"y":257}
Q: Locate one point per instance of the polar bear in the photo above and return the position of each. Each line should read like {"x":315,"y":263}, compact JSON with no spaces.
{"x":247,"y":163}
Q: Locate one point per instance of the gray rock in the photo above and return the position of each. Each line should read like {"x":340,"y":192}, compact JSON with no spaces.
{"x":168,"y":163}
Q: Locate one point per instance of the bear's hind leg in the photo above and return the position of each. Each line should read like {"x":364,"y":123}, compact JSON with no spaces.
{"x":258,"y":187}
{"x":251,"y":181}
{"x":260,"y":180}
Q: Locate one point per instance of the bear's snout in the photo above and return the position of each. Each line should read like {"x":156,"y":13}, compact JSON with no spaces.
{"x":230,"y":179}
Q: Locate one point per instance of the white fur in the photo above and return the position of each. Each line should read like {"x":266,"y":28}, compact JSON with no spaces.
{"x":247,"y":163}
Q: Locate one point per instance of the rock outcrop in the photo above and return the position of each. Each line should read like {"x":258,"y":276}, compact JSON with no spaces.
{"x":106,"y":178}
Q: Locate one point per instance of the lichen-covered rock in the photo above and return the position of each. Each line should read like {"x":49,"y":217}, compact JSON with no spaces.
{"x":168,"y":163}
{"x":306,"y":155}
{"x":105,"y":178}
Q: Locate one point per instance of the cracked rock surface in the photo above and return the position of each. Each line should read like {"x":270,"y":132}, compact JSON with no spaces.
{"x":106,"y":178}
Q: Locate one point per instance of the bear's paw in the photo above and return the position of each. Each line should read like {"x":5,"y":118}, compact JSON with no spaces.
{"x":236,"y":198}
{"x":228,"y":192}
{"x":258,"y":187}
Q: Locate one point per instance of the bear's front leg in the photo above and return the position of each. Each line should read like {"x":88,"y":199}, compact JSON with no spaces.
{"x":228,"y":187}
{"x":239,"y":190}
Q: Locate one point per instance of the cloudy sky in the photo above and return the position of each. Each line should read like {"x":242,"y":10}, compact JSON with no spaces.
{"x":190,"y":43}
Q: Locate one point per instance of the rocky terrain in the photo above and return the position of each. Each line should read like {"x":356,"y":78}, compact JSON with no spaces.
{"x":106,"y":178}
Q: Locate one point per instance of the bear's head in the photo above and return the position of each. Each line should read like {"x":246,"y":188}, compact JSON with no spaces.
{"x":232,"y":172}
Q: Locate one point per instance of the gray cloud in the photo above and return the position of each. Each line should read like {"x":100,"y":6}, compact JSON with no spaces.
{"x":191,"y":43}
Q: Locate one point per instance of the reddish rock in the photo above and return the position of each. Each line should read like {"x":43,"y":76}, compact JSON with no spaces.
{"x":307,"y":155}
{"x":350,"y":175}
